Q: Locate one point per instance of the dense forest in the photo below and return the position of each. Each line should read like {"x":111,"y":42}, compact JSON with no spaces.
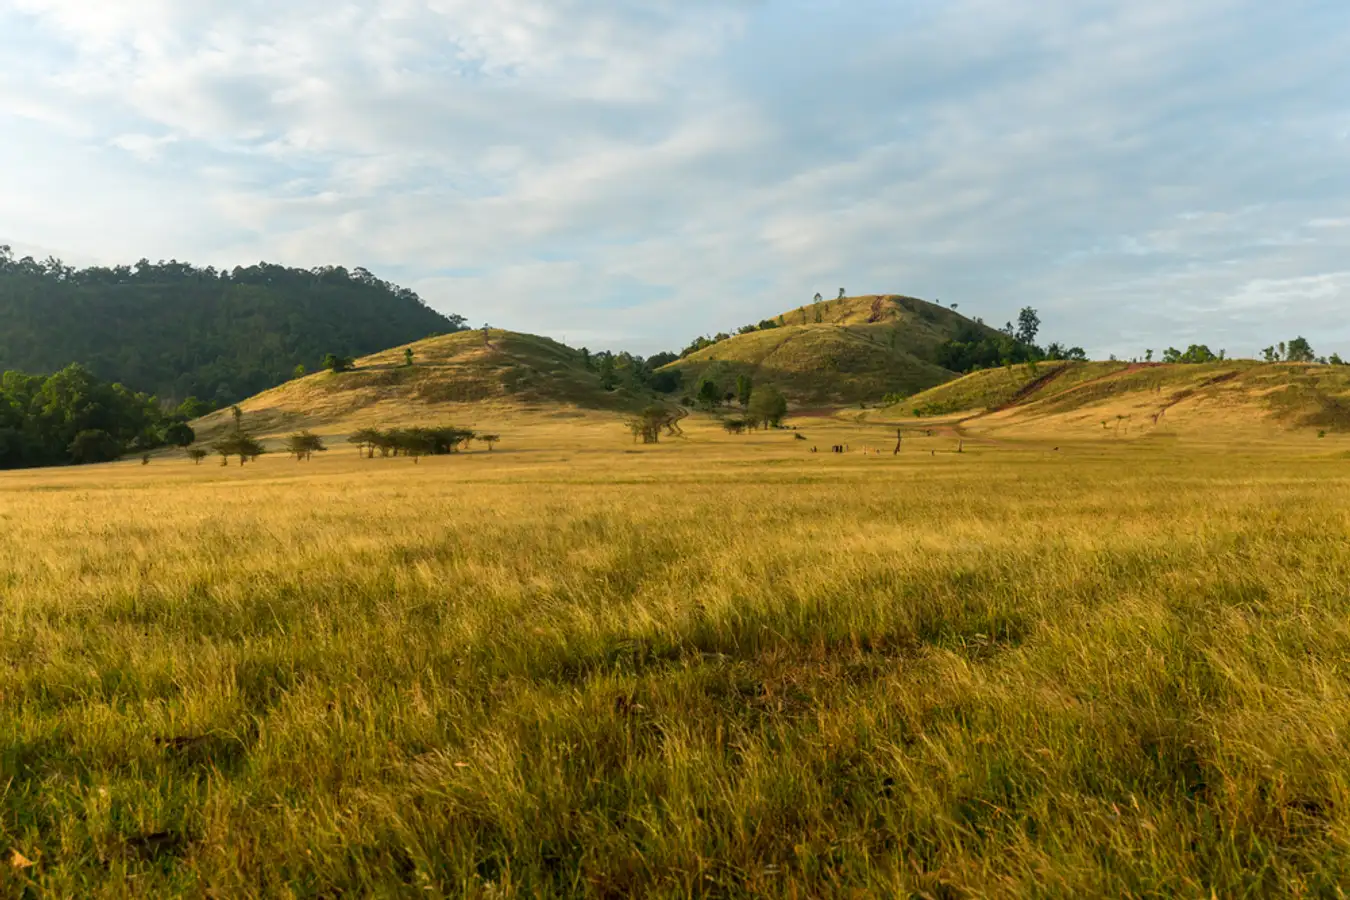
{"x":177,"y":331}
{"x":72,"y":417}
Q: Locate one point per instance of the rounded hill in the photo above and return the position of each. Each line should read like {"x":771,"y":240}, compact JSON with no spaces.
{"x":839,"y":351}
{"x":457,"y":376}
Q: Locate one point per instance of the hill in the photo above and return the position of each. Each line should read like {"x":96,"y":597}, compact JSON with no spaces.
{"x":839,"y":351}
{"x":1141,"y":399}
{"x":457,"y":377}
{"x":176,"y":330}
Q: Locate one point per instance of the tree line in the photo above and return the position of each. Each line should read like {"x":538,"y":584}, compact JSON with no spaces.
{"x":73,"y":417}
{"x":418,"y":441}
{"x":185,"y":331}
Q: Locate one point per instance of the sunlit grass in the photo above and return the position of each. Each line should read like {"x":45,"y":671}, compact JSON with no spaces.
{"x":717,"y":667}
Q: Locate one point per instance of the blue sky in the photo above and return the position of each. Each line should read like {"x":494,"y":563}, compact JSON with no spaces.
{"x":632,"y":173}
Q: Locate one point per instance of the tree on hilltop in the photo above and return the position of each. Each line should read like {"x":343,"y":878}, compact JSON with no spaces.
{"x":1028,"y":325}
{"x":1299,"y":350}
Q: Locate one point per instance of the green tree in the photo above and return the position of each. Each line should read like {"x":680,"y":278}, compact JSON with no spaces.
{"x":1299,"y":350}
{"x":744,"y":387}
{"x":94,"y":446}
{"x":767,"y":406}
{"x":408,"y":356}
{"x":709,"y":393}
{"x":192,"y":408}
{"x":489,"y":439}
{"x":366,"y":440}
{"x":304,"y":444}
{"x":179,"y":434}
{"x":1028,"y":325}
{"x":334,"y":362}
{"x":241,"y":445}
{"x":299,"y":371}
{"x":197,"y":454}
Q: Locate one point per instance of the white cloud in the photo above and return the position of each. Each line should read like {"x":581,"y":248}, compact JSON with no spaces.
{"x":634,"y":172}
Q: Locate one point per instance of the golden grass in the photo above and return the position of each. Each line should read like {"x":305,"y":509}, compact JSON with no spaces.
{"x":716,"y":667}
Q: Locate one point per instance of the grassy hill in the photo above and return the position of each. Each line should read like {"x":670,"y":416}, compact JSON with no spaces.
{"x":1139,"y":399}
{"x":176,"y":330}
{"x":456,"y":377}
{"x":839,"y":351}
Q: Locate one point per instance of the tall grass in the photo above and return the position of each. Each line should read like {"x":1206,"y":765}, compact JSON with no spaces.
{"x":689,"y":672}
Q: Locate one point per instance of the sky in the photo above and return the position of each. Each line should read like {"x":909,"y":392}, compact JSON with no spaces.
{"x":632,"y":173}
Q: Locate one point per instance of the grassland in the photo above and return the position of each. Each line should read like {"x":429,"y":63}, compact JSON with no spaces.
{"x":715,"y":667}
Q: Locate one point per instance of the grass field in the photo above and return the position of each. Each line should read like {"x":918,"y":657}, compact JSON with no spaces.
{"x":716,"y":667}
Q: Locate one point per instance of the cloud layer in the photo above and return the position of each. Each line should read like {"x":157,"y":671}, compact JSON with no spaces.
{"x":631,"y":173}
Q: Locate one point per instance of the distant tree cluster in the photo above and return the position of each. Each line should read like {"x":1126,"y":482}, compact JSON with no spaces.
{"x":1298,"y":350}
{"x":974,"y":348}
{"x":417,"y":442}
{"x":629,"y":370}
{"x":181,"y":330}
{"x":72,"y":417}
{"x":1194,"y":354}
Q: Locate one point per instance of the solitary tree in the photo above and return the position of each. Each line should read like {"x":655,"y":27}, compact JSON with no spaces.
{"x":767,"y":406}
{"x":299,"y":371}
{"x":841,"y":293}
{"x":1028,"y":325}
{"x":1148,"y":356}
{"x":734,"y":426}
{"x":335,"y":363}
{"x":489,"y":439}
{"x":197,"y":454}
{"x":238,"y":417}
{"x":408,"y":357}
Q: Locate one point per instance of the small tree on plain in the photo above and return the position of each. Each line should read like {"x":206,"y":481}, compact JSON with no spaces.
{"x":408,"y":357}
{"x":197,"y":454}
{"x":768,"y":406}
{"x":303,"y":445}
{"x":489,"y":439}
{"x":241,"y":445}
{"x":299,"y":371}
{"x":734,"y":426}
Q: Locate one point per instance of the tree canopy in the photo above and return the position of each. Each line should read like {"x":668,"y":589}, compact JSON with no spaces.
{"x":72,"y":417}
{"x":177,"y":330}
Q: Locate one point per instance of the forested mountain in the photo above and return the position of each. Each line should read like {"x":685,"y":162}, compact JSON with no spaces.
{"x":176,"y":330}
